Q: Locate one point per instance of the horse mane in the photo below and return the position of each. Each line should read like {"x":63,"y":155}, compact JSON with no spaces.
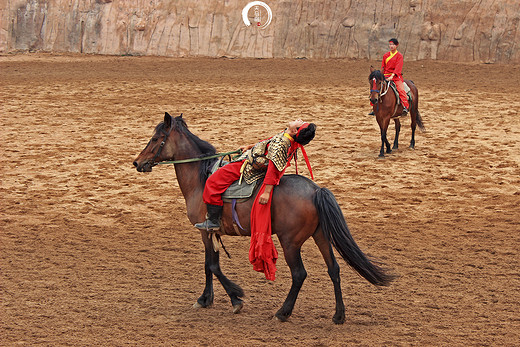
{"x":205,"y":148}
{"x":377,"y":74}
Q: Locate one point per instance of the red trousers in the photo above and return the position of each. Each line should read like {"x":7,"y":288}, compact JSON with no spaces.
{"x":402,"y":93}
{"x":218,"y":182}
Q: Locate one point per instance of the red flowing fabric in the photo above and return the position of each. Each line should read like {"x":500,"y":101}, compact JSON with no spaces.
{"x":262,"y":252}
{"x":394,"y":65}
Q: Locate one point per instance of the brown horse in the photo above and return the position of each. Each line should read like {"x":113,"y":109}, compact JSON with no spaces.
{"x":300,"y":209}
{"x":385,"y":107}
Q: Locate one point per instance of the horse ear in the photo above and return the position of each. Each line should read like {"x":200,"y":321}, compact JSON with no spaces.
{"x":371,"y":68}
{"x":167,"y":120}
{"x":180,"y":116}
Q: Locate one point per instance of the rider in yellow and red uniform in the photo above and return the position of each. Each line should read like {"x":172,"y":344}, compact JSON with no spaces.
{"x":392,"y":67}
{"x":267,"y":158}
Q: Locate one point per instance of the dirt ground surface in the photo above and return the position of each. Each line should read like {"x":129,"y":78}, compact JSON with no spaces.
{"x":95,"y":253}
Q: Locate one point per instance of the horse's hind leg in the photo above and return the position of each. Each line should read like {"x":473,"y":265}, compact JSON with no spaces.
{"x":415,"y":115}
{"x":298,"y":274}
{"x":333,"y":270}
{"x":397,"y":131}
{"x":413,"y":125}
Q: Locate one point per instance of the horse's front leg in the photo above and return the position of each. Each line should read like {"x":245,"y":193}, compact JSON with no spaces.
{"x":210,"y":257}
{"x":384,"y":142}
{"x":397,"y":131}
{"x":383,"y":125}
{"x":212,"y":267}
{"x":298,"y":274}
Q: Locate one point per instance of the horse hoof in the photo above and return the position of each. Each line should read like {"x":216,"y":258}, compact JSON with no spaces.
{"x":281,"y":317}
{"x":198,"y":305}
{"x":238,"y":307}
{"x":338,"y":320}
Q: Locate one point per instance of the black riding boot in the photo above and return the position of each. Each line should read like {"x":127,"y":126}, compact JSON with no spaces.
{"x":213,"y":221}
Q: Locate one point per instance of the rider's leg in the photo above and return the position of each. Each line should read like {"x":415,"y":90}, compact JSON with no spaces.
{"x":216,"y":185}
{"x":402,"y":95}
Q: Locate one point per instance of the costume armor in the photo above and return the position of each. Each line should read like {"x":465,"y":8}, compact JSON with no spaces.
{"x":257,"y":158}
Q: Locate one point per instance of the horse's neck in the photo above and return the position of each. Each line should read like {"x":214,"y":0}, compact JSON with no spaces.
{"x":389,"y":96}
{"x":190,"y":184}
{"x":188,"y":177}
{"x":191,"y":189}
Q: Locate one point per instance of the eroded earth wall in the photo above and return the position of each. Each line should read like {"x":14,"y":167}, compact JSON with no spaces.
{"x":463,"y":30}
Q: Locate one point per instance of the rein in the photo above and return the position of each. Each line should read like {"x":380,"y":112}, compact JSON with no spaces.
{"x":384,"y":85}
{"x":384,"y":88}
{"x":387,"y":85}
{"x":190,"y":160}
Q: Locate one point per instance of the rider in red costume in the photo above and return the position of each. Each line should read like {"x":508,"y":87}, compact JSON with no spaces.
{"x":392,"y":67}
{"x":269,"y":157}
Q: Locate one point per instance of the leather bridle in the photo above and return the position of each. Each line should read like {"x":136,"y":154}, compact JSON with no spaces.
{"x":166,"y":135}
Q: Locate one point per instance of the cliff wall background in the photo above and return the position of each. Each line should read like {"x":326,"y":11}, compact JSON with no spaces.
{"x":463,"y":30}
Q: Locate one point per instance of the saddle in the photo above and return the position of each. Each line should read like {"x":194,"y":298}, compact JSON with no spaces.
{"x":235,"y":190}
{"x":235,"y":193}
{"x":396,"y":92}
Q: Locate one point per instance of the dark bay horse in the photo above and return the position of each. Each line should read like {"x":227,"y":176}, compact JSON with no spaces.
{"x":300,"y":209}
{"x":385,"y":107}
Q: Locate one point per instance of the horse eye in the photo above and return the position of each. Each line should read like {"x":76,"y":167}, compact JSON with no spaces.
{"x":154,"y":139}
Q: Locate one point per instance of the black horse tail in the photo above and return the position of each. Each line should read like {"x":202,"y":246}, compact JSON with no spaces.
{"x":419,"y":121}
{"x":336,"y":230}
{"x":418,"y":118}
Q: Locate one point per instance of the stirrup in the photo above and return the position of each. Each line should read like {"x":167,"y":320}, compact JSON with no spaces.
{"x":208,"y":225}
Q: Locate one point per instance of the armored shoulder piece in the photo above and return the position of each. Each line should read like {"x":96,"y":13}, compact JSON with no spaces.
{"x":278,"y":151}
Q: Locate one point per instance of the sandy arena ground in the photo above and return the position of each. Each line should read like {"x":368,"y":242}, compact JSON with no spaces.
{"x":95,"y":253}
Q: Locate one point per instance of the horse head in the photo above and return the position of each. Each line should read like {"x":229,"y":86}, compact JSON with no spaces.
{"x":375,"y":79}
{"x":159,"y":148}
{"x":173,"y":141}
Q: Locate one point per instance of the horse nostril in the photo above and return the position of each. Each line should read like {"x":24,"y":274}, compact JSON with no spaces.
{"x":135,"y":164}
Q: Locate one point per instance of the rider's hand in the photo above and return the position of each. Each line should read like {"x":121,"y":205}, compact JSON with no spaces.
{"x":245,"y":148}
{"x":264,"y":198}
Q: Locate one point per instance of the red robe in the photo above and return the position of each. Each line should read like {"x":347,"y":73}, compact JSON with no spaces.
{"x":262,"y":252}
{"x":393,"y":64}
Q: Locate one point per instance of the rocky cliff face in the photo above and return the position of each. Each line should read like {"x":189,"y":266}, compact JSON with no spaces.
{"x":463,"y":30}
